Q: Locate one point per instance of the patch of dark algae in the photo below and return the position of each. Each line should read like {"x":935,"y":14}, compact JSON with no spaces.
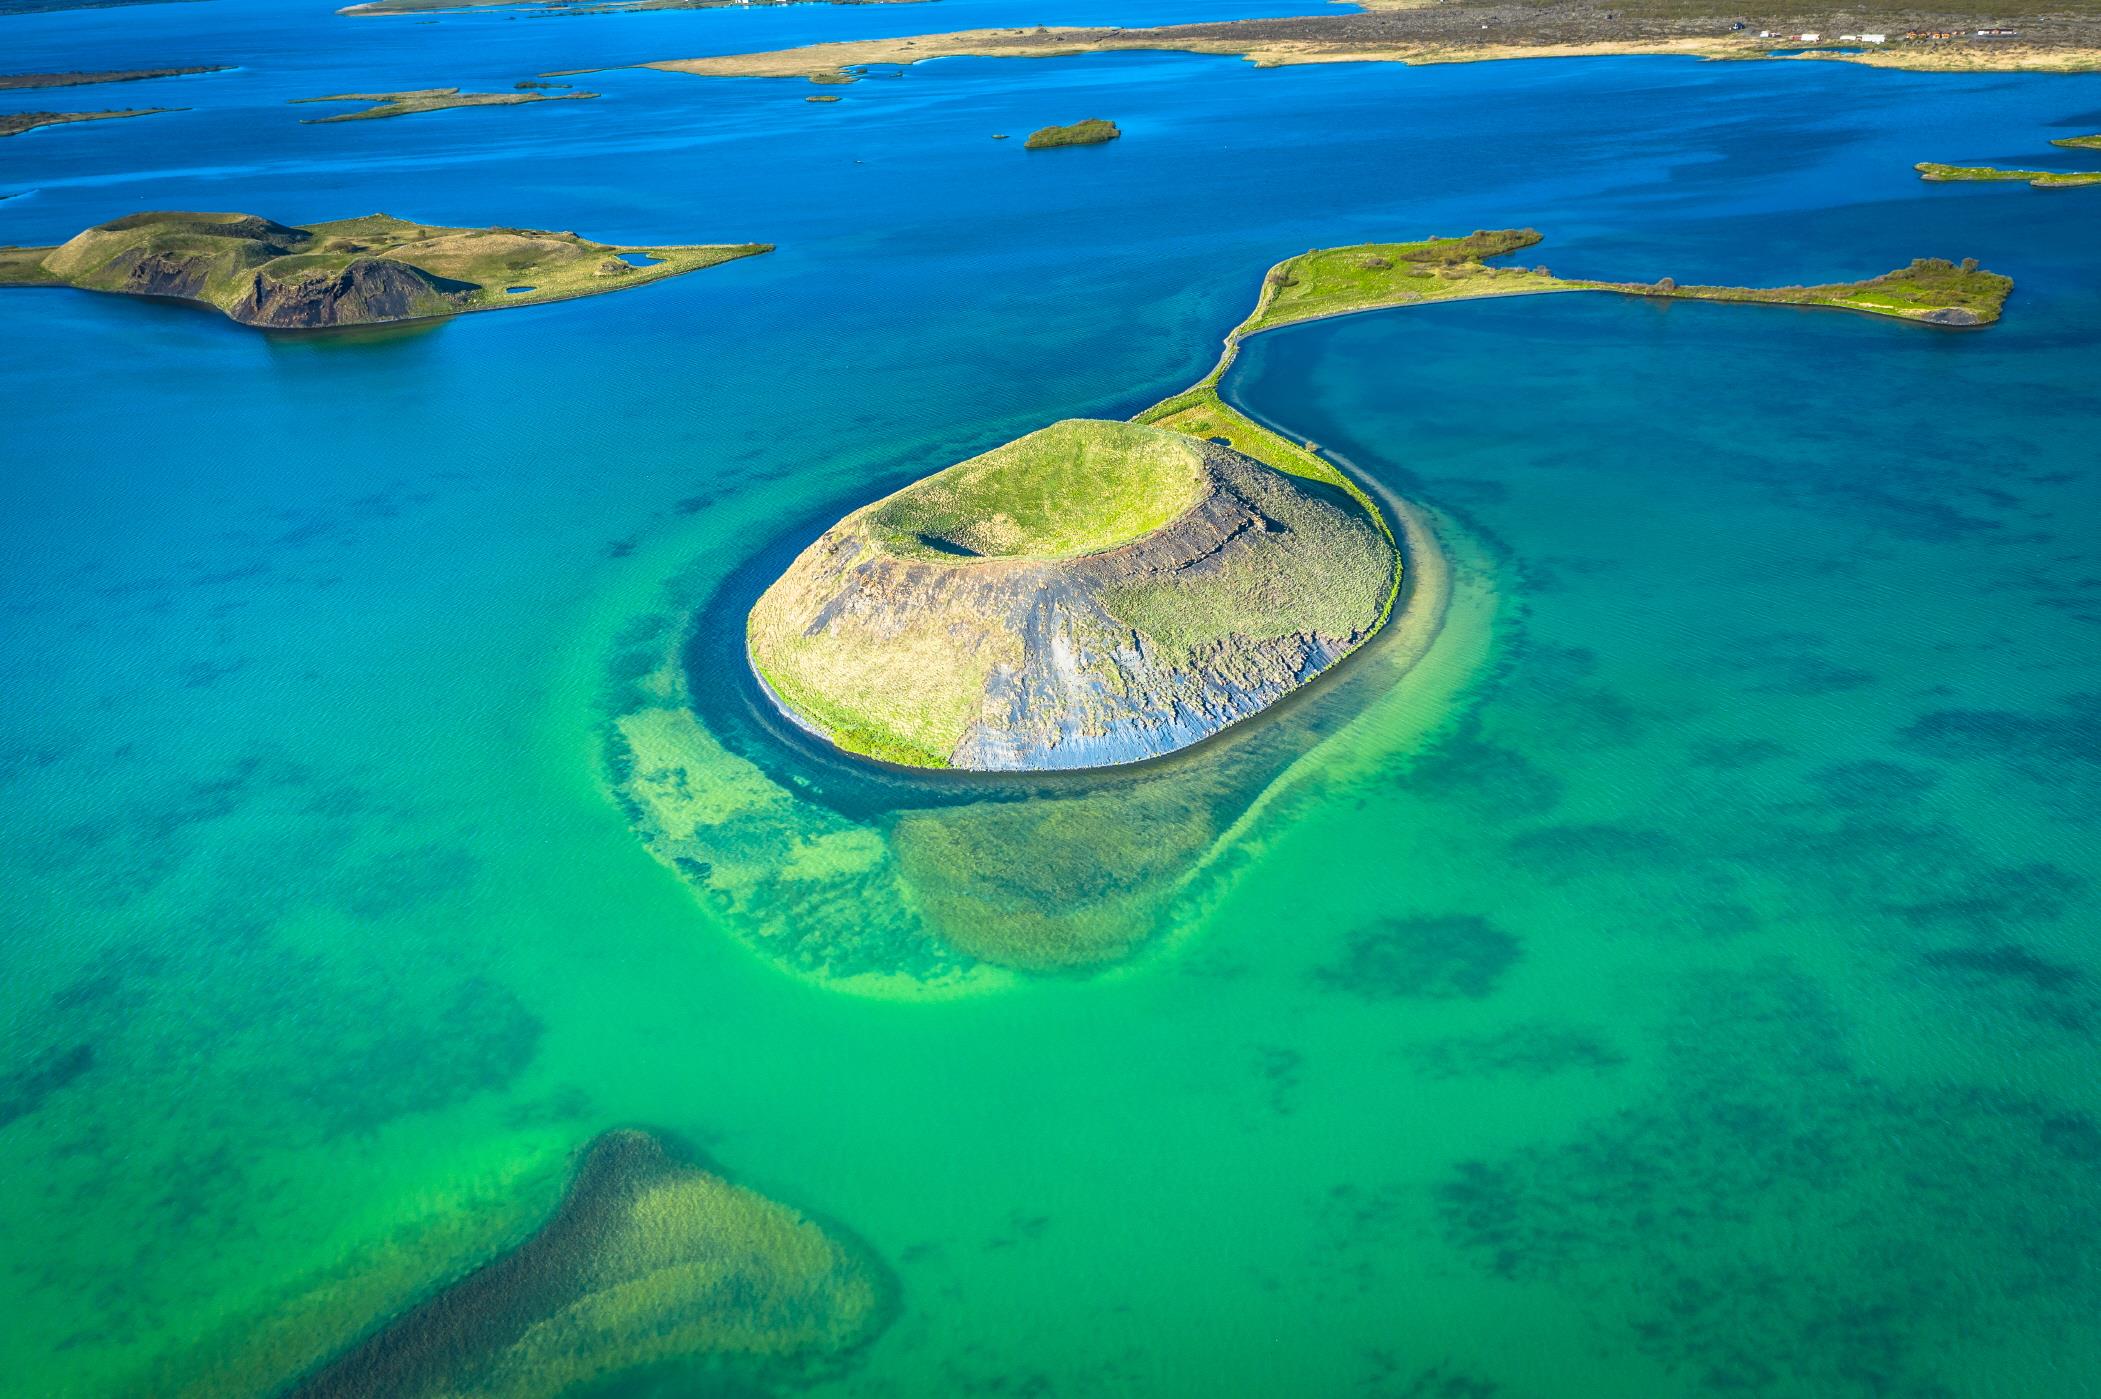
{"x":648,"y":1263}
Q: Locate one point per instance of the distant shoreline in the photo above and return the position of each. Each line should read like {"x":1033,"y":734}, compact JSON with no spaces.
{"x":1469,"y":31}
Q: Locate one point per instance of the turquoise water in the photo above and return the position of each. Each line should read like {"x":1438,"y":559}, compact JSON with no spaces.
{"x":1707,"y":1004}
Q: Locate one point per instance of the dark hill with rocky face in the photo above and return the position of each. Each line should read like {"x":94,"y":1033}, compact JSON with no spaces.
{"x":365,"y":271}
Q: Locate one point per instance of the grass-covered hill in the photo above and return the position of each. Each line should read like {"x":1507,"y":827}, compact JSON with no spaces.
{"x":1092,"y":593}
{"x":359,"y":271}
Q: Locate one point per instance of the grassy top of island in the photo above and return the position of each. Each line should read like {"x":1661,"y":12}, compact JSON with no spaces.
{"x":1091,"y":132}
{"x":360,"y":271}
{"x":435,"y":99}
{"x":1071,"y":489}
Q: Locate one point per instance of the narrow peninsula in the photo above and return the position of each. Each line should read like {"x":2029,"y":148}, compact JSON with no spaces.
{"x":363,"y":271}
{"x":15,"y":123}
{"x":433,"y":99}
{"x":2040,"y":179}
{"x":1098,"y":593}
{"x":17,"y":82}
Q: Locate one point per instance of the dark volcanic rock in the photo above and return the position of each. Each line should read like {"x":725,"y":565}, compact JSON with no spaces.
{"x":369,"y":289}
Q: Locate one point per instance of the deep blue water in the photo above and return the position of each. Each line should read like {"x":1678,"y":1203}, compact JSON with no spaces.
{"x":1757,"y":1052}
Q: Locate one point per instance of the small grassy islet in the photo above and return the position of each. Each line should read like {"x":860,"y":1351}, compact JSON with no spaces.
{"x":1091,"y":132}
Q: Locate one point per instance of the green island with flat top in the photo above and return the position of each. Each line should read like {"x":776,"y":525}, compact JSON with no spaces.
{"x":1091,"y":132}
{"x":363,"y":271}
{"x":2040,"y":179}
{"x":1097,"y":593}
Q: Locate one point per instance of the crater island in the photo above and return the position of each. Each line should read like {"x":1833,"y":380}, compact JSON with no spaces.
{"x":1092,"y":593}
{"x":1097,"y":593}
{"x":364,"y":271}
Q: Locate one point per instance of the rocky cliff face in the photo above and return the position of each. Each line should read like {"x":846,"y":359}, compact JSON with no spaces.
{"x":1113,"y":657}
{"x":368,"y":290}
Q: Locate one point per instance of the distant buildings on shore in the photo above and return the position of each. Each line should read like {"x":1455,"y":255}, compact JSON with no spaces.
{"x":1814,"y":37}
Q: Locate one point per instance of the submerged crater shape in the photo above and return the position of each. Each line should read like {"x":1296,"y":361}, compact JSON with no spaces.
{"x":1093,"y":593}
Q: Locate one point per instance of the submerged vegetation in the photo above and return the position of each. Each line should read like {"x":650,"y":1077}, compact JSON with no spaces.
{"x":347,"y":272}
{"x":647,"y":1263}
{"x":1091,"y":132}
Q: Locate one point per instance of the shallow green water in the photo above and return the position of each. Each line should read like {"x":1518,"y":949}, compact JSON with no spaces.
{"x":1706,"y":1005}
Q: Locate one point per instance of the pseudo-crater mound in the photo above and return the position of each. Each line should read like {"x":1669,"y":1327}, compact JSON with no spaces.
{"x":1093,"y":593}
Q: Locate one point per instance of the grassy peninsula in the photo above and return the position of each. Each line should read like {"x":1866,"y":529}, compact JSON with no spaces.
{"x":15,"y":123}
{"x":432,"y":99}
{"x":1091,"y":132}
{"x":1373,"y":276}
{"x":360,"y":271}
{"x":2040,"y":179}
